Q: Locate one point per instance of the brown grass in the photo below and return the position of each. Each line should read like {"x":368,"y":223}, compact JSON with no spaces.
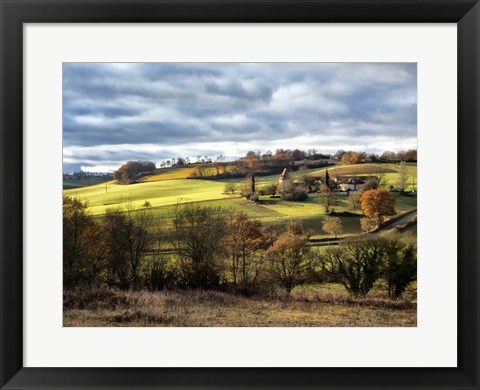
{"x":359,"y":169}
{"x":97,"y":307}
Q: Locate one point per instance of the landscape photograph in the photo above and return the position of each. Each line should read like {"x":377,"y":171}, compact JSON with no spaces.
{"x":240,"y":195}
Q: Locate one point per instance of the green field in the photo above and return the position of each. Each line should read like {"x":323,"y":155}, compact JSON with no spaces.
{"x":169,"y":174}
{"x":388,"y":169}
{"x":163,"y":196}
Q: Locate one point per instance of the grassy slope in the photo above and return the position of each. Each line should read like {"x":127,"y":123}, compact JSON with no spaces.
{"x":389,"y":169}
{"x":359,"y":169}
{"x":169,"y":174}
{"x":165,"y":194}
{"x":90,"y":181}
{"x":158,"y":193}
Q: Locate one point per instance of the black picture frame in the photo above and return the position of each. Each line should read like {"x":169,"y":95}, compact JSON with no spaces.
{"x":14,"y":13}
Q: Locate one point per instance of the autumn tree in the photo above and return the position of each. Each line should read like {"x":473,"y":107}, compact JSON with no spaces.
{"x":291,"y":260}
{"x":198,"y":239}
{"x":76,"y":224}
{"x":219,"y":167}
{"x":332,"y":225}
{"x":132,"y":170}
{"x":251,"y":161}
{"x":378,"y":204}
{"x":327,"y":197}
{"x":350,"y":158}
{"x":244,"y":241}
{"x":403,"y":176}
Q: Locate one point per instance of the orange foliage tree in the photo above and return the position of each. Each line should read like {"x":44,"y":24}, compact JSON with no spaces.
{"x":378,"y":204}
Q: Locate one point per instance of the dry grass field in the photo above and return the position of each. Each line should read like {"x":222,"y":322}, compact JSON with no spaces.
{"x":107,"y":308}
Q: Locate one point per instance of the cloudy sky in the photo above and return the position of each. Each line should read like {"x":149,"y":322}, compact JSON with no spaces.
{"x":113,"y":113}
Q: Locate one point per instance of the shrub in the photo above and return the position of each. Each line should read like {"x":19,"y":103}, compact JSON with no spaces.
{"x":356,"y":263}
{"x":368,"y":224}
{"x":400,"y":268}
{"x":230,"y":188}
{"x":296,"y":194}
{"x":332,"y":225}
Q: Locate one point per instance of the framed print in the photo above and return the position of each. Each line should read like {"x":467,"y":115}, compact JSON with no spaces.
{"x":240,"y":196}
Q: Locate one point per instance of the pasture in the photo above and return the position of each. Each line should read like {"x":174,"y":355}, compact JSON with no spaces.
{"x":389,"y":170}
{"x":84,"y":182}
{"x":166,"y":192}
{"x":169,"y":174}
{"x":315,"y":305}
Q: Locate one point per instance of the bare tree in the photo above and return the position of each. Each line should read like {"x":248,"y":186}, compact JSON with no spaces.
{"x":403,"y":176}
{"x":199,"y":242}
{"x":327,"y":197}
{"x":382,"y":176}
{"x":354,"y":200}
{"x":271,"y":189}
{"x":368,"y":224}
{"x":229,"y":188}
{"x":139,"y":224}
{"x":291,"y":260}
{"x":332,"y":225}
{"x":243,"y":242}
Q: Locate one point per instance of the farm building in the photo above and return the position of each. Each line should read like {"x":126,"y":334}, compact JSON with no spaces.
{"x":285,"y":181}
{"x":352,"y":183}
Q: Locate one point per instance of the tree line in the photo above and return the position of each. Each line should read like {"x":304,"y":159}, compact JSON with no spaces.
{"x":213,"y":248}
{"x":259,"y":163}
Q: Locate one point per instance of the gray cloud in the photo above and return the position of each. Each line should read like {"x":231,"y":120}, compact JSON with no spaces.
{"x":116,"y":112}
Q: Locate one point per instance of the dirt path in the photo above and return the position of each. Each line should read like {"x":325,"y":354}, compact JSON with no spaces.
{"x":402,"y":220}
{"x":390,"y":225}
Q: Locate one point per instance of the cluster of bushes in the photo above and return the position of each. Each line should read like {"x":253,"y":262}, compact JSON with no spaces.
{"x":211,"y":248}
{"x":359,"y":263}
{"x":295,"y":194}
{"x":110,"y":251}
